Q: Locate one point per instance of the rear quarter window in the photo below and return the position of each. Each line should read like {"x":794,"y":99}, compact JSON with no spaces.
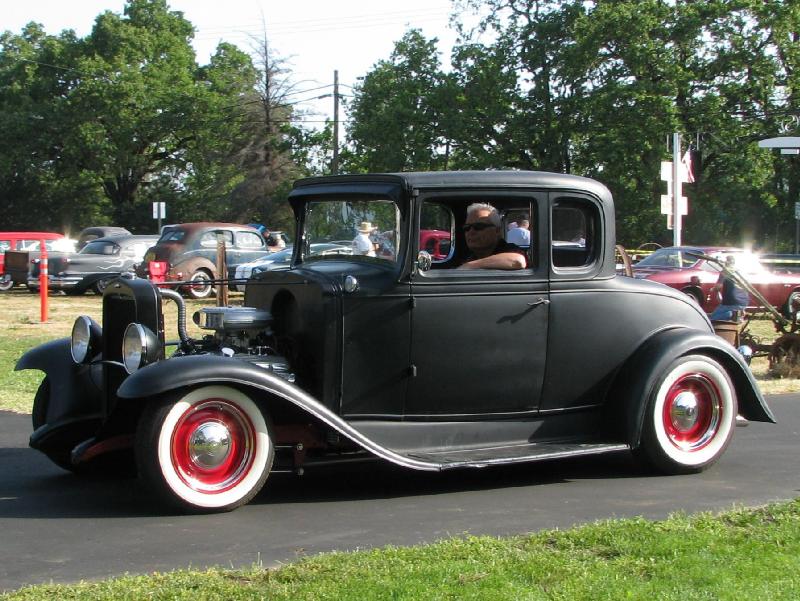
{"x":576,"y":233}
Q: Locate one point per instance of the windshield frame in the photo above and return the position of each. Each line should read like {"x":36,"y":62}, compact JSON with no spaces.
{"x":302,"y":252}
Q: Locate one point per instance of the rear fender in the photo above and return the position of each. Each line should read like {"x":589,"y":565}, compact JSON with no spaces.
{"x":192,"y":264}
{"x":181,"y":372}
{"x":636,"y":382}
{"x":75,"y":390}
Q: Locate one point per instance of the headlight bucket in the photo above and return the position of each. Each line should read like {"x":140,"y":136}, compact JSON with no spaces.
{"x":86,"y":338}
{"x":140,"y":347}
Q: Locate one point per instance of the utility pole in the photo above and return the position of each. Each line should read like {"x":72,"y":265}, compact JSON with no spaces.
{"x":335,"y":161}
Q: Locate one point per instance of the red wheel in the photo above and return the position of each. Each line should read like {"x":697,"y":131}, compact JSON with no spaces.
{"x":209,"y":450}
{"x":691,"y":417}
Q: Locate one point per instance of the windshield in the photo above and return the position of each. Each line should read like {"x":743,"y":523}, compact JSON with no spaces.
{"x":669,"y":257}
{"x":99,"y":248}
{"x":368,"y":229}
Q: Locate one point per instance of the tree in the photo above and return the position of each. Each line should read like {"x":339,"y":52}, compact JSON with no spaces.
{"x":397,"y":111}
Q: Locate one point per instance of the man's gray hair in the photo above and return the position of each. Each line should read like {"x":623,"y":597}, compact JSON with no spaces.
{"x":494,"y":215}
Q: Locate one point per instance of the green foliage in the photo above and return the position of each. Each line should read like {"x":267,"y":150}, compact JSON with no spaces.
{"x":741,"y":554}
{"x":596,"y":89}
{"x":109,"y":123}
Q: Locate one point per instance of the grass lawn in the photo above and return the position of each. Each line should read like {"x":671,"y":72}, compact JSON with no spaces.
{"x":738,"y":555}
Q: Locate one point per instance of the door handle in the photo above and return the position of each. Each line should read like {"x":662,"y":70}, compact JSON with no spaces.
{"x":541,"y":301}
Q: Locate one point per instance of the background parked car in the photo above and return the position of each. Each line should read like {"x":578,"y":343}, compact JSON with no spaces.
{"x":22,"y":248}
{"x":102,"y":231}
{"x":680,"y":268}
{"x":283,"y":260}
{"x":435,"y":242}
{"x":188,"y":252}
{"x":95,"y":265}
{"x":781,"y":263}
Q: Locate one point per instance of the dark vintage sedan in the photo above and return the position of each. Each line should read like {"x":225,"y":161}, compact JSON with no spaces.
{"x":95,"y":265}
{"x":681,"y":268}
{"x":187,"y":252}
{"x":330,"y":360}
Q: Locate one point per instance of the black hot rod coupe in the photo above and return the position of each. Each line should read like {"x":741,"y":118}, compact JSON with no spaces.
{"x":397,"y":354}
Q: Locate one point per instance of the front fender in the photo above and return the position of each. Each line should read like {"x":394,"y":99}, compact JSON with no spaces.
{"x":75,"y":390}
{"x":636,"y":382}
{"x":194,"y":370}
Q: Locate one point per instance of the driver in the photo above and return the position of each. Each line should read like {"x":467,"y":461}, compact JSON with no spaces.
{"x":487,"y":248}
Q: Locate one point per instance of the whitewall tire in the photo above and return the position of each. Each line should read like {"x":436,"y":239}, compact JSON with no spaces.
{"x":691,"y":416}
{"x":207,"y":450}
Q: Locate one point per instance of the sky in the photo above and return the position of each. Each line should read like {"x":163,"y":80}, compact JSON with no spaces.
{"x":313,"y":37}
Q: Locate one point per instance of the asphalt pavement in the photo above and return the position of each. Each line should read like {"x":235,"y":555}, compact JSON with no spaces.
{"x":56,"y":527}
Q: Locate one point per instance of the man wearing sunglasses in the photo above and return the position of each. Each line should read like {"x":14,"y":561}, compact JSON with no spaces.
{"x":488,"y":250}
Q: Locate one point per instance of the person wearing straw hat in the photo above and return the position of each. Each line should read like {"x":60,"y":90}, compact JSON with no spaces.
{"x":363,"y":244}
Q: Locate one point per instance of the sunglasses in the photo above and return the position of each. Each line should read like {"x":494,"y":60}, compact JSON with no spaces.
{"x":478,"y":226}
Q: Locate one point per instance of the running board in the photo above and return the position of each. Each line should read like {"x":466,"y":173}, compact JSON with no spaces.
{"x":521,"y":453}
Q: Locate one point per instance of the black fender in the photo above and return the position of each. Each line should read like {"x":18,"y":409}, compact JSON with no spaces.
{"x":75,"y":405}
{"x":638,"y":378}
{"x":195,"y":370}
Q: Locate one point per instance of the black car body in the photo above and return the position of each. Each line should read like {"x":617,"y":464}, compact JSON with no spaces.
{"x":187,"y":252}
{"x":400,"y":356}
{"x":88,"y":234}
{"x":95,"y":265}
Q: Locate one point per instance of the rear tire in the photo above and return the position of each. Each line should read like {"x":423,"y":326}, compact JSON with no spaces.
{"x":690,"y":418}
{"x":204,"y":451}
{"x":792,"y":305}
{"x":6,"y":283}
{"x":201,"y":286}
{"x":100,"y":285}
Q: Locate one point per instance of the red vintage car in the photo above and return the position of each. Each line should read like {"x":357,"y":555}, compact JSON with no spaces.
{"x":681,"y":268}
{"x":28,"y":242}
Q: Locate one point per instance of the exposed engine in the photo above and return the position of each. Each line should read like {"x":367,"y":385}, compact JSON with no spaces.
{"x":243,"y":333}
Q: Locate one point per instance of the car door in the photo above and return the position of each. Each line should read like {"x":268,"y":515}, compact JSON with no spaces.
{"x":478,"y":337}
{"x":248,"y":246}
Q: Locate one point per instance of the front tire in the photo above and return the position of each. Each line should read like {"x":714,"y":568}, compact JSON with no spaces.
{"x":691,"y":416}
{"x":6,"y":283}
{"x":208,"y":450}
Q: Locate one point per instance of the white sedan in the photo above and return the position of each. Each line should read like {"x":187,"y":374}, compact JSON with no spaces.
{"x":282,"y":259}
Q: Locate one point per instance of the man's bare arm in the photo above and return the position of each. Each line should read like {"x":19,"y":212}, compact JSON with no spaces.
{"x":498,"y":261}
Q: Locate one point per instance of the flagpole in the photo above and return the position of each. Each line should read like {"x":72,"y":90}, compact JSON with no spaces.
{"x":677,"y":218}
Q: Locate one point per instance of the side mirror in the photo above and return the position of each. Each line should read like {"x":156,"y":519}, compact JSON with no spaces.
{"x":424,"y":260}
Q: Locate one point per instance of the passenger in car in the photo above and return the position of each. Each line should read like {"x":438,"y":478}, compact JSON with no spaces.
{"x":487,"y":248}
{"x":520,"y":234}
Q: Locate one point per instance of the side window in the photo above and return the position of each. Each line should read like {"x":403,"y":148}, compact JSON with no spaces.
{"x":575,"y":232}
{"x":436,"y":231}
{"x":209,"y":239}
{"x":5,"y":245}
{"x":248,"y":240}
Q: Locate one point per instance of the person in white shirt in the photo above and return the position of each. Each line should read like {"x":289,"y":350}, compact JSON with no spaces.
{"x":521,"y":234}
{"x":363,"y":244}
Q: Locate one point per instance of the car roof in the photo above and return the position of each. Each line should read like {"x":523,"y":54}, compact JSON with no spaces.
{"x":126,"y":238}
{"x":455,"y":179}
{"x":201,"y":225}
{"x":45,"y":235}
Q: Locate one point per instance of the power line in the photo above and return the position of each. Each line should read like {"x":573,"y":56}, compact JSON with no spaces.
{"x":346,"y":22}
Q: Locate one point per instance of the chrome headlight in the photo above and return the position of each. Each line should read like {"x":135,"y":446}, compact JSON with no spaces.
{"x":85,"y":340}
{"x":139,"y":347}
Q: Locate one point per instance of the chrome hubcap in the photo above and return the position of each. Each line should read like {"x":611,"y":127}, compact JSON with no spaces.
{"x":210,"y":445}
{"x":684,"y":411}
